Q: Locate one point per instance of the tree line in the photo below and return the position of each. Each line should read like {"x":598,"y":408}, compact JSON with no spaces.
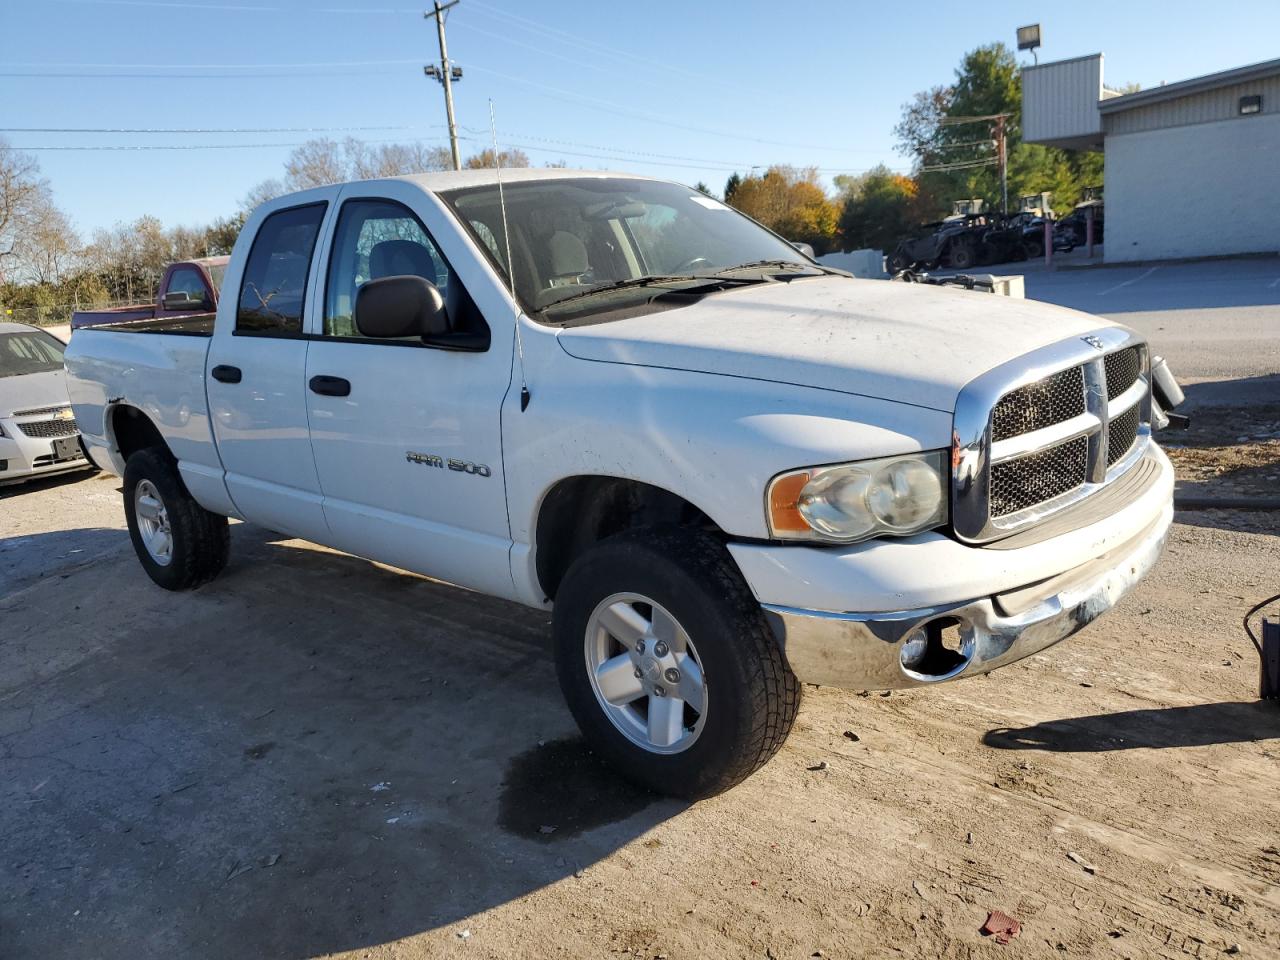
{"x":46,"y":268}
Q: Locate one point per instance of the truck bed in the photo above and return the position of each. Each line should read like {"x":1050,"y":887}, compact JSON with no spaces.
{"x":186,"y":325}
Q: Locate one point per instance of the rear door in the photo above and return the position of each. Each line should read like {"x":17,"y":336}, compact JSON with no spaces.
{"x":256,"y":371}
{"x":407,"y":437}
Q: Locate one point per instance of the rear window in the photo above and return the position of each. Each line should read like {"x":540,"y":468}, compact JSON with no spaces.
{"x":275,"y":278}
{"x":34,"y":352}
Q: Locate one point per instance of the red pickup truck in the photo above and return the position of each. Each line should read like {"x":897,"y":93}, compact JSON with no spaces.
{"x":188,"y":288}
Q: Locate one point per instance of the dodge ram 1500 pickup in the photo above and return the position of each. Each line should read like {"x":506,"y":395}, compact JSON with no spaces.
{"x":726,"y":469}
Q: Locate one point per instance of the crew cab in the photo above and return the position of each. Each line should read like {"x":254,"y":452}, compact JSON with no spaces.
{"x":189,"y":288}
{"x":725,"y":468}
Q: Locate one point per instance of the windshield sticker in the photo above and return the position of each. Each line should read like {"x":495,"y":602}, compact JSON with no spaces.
{"x":709,"y":203}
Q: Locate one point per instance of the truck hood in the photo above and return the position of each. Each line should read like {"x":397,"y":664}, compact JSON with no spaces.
{"x":33,"y":390}
{"x":904,"y":342}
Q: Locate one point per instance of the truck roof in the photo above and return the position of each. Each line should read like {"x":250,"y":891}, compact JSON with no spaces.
{"x":457,"y":179}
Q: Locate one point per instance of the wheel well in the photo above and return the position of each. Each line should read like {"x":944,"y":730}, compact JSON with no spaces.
{"x":134,"y":431}
{"x":579,"y":512}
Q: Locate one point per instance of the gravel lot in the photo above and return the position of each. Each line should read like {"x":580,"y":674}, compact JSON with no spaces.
{"x":315,"y":755}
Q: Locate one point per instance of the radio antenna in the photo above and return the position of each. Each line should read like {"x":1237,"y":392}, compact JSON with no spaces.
{"x":511,"y":266}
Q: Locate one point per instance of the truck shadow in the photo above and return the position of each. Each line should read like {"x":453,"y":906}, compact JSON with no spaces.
{"x":1199,"y":725}
{"x":312,"y":754}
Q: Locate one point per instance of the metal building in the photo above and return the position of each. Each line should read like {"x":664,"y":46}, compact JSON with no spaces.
{"x":1192,"y":168}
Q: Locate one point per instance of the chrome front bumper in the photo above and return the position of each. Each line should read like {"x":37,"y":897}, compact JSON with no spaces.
{"x":864,"y":651}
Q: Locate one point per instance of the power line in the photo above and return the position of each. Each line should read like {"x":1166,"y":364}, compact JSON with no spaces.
{"x":590,"y":151}
{"x":609,"y":106}
{"x":963,"y":165}
{"x":210,"y":66}
{"x":230,"y":8}
{"x":565,"y":37}
{"x":191,"y":76}
{"x":202,"y":130}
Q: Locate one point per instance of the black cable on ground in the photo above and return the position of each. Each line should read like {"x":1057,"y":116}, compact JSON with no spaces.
{"x":1252,"y":610}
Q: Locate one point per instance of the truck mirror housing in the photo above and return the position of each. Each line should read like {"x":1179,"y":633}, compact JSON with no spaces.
{"x":393,"y":307}
{"x":181,"y":299}
{"x":804,"y":248}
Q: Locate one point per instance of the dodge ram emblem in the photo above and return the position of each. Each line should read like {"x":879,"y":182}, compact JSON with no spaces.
{"x":1094,"y":342}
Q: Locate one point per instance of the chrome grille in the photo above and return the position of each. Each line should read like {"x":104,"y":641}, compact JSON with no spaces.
{"x":1031,"y":480}
{"x":49,"y":429}
{"x":42,"y":411}
{"x":1122,"y":368}
{"x":1121,"y":434}
{"x":1041,"y":404}
{"x":1040,"y":433}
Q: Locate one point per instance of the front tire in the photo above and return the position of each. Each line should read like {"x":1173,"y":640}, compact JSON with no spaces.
{"x":180,"y":544}
{"x":667,"y":664}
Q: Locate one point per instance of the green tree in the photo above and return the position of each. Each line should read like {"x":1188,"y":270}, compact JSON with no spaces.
{"x":731,"y":186}
{"x":955,"y":154}
{"x":884,"y":208}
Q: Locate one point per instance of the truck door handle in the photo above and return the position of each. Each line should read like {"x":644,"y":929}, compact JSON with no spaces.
{"x":330,"y":386}
{"x":226,"y":374}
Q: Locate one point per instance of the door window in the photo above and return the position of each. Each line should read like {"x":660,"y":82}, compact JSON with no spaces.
{"x":275,"y":279}
{"x":376,"y":239}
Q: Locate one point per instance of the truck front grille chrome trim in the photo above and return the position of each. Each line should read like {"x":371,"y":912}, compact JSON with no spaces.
{"x":1079,"y":412}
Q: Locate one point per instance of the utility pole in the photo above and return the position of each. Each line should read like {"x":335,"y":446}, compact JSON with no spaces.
{"x":1004,"y":164}
{"x":446,"y":74}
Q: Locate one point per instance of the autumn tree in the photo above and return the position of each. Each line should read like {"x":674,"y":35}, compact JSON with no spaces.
{"x":791,"y":202}
{"x":880,"y":208}
{"x":487,"y":158}
{"x":26,"y":207}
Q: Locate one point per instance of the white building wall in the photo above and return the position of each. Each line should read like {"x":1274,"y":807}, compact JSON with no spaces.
{"x":1194,"y":191}
{"x":1060,"y":102}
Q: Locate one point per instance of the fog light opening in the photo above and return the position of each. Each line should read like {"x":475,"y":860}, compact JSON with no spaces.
{"x":936,"y":650}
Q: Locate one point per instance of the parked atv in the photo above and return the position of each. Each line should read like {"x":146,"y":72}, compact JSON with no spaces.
{"x":955,"y":242}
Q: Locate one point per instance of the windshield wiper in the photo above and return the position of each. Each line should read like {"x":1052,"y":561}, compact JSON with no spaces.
{"x":699,"y":281}
{"x":785,"y":264}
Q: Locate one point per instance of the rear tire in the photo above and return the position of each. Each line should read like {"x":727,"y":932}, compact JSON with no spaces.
{"x":962,"y":256}
{"x":635,"y":589}
{"x":180,"y":544}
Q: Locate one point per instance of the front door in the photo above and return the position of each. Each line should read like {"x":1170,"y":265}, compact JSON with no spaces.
{"x":255,"y":376}
{"x":407,"y":438}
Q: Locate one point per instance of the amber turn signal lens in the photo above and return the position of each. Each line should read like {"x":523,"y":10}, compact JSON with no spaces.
{"x":784,"y":504}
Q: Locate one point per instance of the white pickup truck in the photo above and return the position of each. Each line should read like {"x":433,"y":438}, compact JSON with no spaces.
{"x":729,"y":469}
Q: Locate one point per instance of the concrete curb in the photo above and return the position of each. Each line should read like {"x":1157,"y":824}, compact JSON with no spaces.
{"x":1226,"y":503}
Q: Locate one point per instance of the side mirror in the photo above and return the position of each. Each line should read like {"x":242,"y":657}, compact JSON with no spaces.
{"x":804,"y":248}
{"x":182,"y":300}
{"x":393,"y":307}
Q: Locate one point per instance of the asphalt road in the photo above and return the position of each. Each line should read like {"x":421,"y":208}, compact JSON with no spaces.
{"x":1214,"y":320}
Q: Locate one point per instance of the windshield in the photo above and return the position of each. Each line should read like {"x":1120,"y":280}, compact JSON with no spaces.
{"x":571,"y":236}
{"x":34,"y":352}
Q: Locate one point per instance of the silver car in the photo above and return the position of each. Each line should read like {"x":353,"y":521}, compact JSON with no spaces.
{"x":38,"y":434}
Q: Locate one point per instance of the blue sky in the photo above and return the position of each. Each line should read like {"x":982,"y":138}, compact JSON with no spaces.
{"x":686,"y":90}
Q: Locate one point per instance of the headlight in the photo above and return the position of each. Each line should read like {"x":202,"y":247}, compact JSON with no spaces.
{"x":853,"y":501}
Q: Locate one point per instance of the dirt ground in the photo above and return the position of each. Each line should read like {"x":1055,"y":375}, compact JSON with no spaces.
{"x":317,"y":756}
{"x":1228,"y":451}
